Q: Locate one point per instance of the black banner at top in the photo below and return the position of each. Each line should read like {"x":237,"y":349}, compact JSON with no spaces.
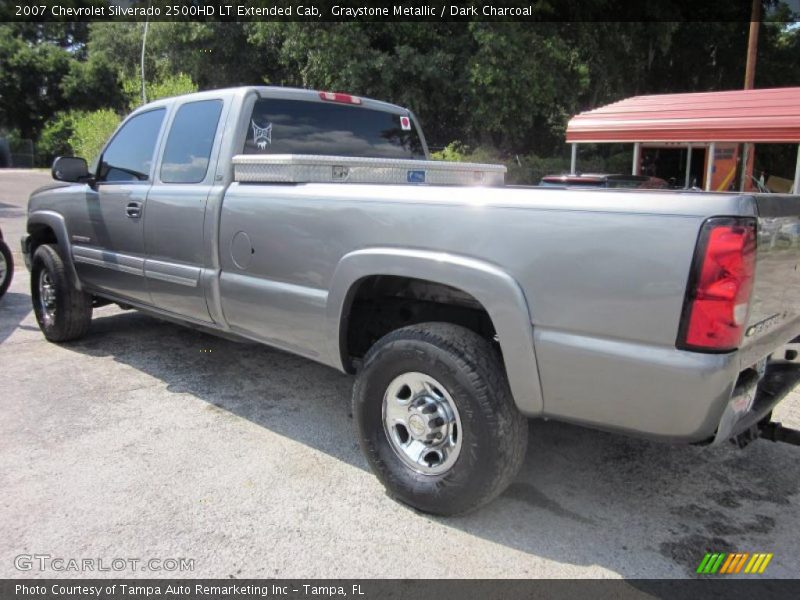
{"x":366,"y":10}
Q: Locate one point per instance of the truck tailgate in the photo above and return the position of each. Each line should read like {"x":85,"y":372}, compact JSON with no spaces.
{"x":775,"y":303}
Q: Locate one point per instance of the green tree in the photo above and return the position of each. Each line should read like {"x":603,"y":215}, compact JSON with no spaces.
{"x":506,"y":89}
{"x":173,"y":85}
{"x":419,"y":65}
{"x":212,"y":54}
{"x":524,"y":82}
{"x":30,"y":78}
{"x":54,"y":139}
{"x":93,"y":84}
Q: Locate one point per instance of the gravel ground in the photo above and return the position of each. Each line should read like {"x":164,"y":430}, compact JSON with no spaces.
{"x":148,"y":440}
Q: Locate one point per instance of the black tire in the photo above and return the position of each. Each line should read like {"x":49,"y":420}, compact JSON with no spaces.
{"x":5,"y":279}
{"x":494,"y":433}
{"x":73,"y":308}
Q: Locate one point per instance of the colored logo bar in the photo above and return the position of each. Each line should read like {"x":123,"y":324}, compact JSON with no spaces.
{"x":734,"y":563}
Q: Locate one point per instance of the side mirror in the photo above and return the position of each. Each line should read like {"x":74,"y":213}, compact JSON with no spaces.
{"x":70,"y":168}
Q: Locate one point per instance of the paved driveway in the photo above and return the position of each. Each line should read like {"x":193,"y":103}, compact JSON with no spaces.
{"x":148,"y":440}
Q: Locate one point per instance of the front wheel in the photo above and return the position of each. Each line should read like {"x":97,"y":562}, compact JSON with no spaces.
{"x":436,"y":419}
{"x":6,"y":267}
{"x":63,"y":312}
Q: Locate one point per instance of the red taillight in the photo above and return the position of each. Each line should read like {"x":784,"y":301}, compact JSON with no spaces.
{"x":337,"y":97}
{"x":716,"y":306}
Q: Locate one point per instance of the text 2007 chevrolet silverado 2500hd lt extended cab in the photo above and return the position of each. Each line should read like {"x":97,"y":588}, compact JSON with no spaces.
{"x":309,"y":221}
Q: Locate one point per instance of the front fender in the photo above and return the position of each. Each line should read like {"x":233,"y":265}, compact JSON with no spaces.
{"x":56,"y":223}
{"x":496,"y":290}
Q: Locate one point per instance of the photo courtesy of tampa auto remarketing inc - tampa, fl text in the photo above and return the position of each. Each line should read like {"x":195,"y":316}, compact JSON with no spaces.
{"x":444,"y":300}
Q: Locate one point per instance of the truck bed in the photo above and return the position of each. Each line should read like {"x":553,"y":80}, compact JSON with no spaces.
{"x":604,"y":275}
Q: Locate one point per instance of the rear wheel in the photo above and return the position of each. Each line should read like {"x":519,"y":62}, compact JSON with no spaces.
{"x":436,"y":419}
{"x":6,"y":267}
{"x":63,"y":312}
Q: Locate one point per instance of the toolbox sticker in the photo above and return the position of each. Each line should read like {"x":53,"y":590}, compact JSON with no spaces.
{"x":405,"y":123}
{"x":262,"y":136}
{"x":340,"y":173}
{"x":416,"y":177}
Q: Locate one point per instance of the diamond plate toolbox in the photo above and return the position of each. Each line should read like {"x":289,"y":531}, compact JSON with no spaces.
{"x":306,"y":168}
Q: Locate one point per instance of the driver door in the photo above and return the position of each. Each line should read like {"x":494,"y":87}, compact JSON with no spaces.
{"x":107,"y":235}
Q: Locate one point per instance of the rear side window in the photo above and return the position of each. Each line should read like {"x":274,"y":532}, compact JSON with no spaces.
{"x":129,"y":156}
{"x":303,"y":127}
{"x":190,"y":140}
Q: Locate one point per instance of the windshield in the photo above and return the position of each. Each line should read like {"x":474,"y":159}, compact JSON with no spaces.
{"x":303,"y":127}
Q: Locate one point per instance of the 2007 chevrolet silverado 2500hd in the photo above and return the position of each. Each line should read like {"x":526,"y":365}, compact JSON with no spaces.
{"x":312,"y":222}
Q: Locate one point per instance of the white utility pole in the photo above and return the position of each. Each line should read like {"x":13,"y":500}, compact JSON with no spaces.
{"x":144,"y":43}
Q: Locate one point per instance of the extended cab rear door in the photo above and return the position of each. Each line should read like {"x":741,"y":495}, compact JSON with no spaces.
{"x":176,"y":208}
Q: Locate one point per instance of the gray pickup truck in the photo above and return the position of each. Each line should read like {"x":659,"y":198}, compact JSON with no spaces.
{"x":313,"y":222}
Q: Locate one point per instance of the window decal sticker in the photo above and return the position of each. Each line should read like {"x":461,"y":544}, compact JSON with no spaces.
{"x":262,"y":136}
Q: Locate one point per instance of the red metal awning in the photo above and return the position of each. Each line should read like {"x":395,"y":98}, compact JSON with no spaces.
{"x":765,"y":115}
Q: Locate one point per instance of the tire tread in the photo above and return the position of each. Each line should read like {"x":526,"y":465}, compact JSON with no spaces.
{"x":76,"y":317}
{"x":4,"y":285}
{"x":481,"y":364}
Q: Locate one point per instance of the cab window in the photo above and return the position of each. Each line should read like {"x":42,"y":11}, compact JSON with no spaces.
{"x":129,"y":156}
{"x":280,"y":126}
{"x":190,"y":140}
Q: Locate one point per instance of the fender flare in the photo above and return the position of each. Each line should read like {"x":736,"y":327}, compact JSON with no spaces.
{"x":56,"y":222}
{"x":496,"y":290}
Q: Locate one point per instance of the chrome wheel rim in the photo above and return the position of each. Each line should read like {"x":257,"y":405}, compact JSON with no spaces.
{"x":3,"y":269}
{"x":422,"y":423}
{"x":47,"y":297}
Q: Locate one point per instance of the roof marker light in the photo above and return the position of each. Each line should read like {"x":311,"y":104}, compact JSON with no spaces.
{"x":337,"y":97}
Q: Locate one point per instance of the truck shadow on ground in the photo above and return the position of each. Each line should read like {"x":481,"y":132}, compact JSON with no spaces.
{"x":584,"y":497}
{"x":14,"y":307}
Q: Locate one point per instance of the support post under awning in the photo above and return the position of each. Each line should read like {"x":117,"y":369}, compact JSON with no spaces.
{"x":688,"y":167}
{"x":796,"y":187}
{"x":709,"y":165}
{"x":743,"y":182}
{"x":637,"y":151}
{"x":574,"y":161}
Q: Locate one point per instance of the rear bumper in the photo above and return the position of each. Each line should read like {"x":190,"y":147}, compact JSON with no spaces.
{"x":657,"y":392}
{"x":661,"y":393}
{"x":753,"y":399}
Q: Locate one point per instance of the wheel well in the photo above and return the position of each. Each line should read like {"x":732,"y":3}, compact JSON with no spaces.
{"x":382,"y":303}
{"x":40,"y":234}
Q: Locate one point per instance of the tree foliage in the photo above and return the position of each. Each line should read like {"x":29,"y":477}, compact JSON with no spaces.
{"x":510,"y":87}
{"x":83,"y":133}
{"x":90,"y":130}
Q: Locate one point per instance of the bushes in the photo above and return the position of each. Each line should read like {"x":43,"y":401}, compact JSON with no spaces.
{"x":90,"y":130}
{"x":174,"y":85}
{"x":54,"y":139}
{"x":523,"y":169}
{"x":76,"y":133}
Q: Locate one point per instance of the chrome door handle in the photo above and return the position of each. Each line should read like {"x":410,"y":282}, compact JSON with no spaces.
{"x":134,"y":210}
